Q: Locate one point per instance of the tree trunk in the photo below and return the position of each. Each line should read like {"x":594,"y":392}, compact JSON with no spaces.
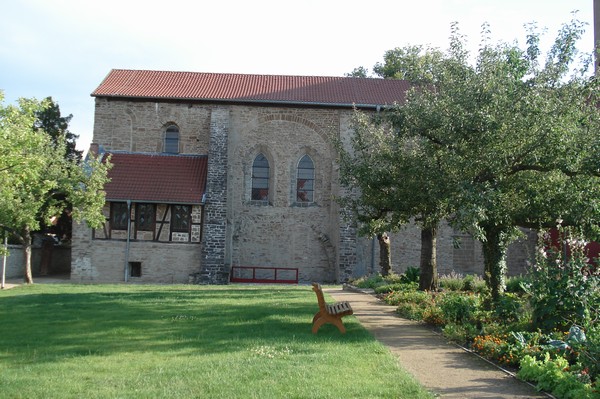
{"x":428,"y":279}
{"x":26,"y":240}
{"x":494,"y":259}
{"x":385,"y":254}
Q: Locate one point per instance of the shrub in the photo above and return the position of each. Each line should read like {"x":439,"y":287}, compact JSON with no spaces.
{"x":433,"y":315}
{"x":451,"y":282}
{"x":460,"y":333}
{"x":411,"y":275}
{"x":420,"y":298}
{"x":563,"y":289}
{"x":508,"y":308}
{"x":553,"y":375}
{"x":410,"y":310}
{"x":474,"y":283}
{"x":387,"y":288}
{"x":457,"y":308}
{"x":515,"y":284}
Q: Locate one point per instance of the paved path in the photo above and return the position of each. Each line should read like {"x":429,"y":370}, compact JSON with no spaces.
{"x":442,"y":368}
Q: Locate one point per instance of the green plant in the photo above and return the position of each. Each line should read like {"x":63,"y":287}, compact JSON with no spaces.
{"x":460,"y":333}
{"x":411,"y":275}
{"x":410,"y":310}
{"x":451,"y":282}
{"x":562,"y":285}
{"x":434,"y":316}
{"x":508,"y":308}
{"x":457,"y":307}
{"x":420,"y":298}
{"x":474,"y":283}
{"x":387,"y":288}
{"x":554,"y":376}
{"x":515,"y":284}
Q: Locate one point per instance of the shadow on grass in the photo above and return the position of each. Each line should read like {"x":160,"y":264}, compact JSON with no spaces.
{"x":46,"y":323}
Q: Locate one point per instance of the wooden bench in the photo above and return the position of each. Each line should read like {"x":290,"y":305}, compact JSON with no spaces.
{"x":332,"y":313}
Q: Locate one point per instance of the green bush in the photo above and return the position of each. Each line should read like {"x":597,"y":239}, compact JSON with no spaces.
{"x":460,"y":333}
{"x":387,"y":288}
{"x":420,"y":298}
{"x":515,"y":284}
{"x":457,"y":308}
{"x":411,"y":275}
{"x":410,"y":310}
{"x":553,"y":375}
{"x":508,"y":308}
{"x":451,"y":282}
{"x":563,"y":290}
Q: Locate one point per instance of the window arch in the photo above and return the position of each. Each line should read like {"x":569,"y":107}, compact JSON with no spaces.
{"x":171,"y":144}
{"x":305,"y":180}
{"x":260,"y":178}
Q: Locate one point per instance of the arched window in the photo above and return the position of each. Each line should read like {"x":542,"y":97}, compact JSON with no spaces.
{"x":260,"y":178}
{"x":305,"y":182}
{"x":172,"y":139}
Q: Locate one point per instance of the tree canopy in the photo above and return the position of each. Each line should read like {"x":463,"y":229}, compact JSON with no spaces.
{"x":513,"y":139}
{"x":34,"y":168}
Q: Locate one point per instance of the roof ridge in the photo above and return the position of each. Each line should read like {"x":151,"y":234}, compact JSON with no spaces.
{"x":245,"y":74}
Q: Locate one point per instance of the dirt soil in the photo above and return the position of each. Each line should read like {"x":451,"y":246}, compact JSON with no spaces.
{"x":447,"y":370}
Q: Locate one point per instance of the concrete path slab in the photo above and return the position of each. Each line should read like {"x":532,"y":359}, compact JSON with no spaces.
{"x":445,"y":369}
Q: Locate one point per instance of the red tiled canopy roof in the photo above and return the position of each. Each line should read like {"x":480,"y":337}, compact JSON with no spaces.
{"x":158,"y":178}
{"x":239,"y":88}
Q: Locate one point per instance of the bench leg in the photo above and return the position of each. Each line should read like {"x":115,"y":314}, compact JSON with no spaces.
{"x":317,"y":315}
{"x":318,"y":323}
{"x":336,"y":321}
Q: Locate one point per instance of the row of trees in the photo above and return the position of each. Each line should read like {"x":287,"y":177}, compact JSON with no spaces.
{"x":506,"y":140}
{"x":41,"y":173}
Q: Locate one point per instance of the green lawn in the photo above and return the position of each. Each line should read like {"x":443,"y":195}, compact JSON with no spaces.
{"x":141,"y":341}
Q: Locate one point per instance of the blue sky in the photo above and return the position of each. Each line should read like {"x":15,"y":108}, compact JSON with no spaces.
{"x":64,"y":48}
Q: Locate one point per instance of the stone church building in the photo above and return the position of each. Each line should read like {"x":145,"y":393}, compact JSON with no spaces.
{"x":232,"y":177}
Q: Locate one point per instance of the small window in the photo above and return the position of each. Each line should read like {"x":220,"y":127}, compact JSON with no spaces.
{"x":135,"y":269}
{"x":260,"y":178}
{"x":180,"y":218}
{"x":305,"y":182}
{"x":145,"y":217}
{"x":172,"y":139}
{"x":119,"y":215}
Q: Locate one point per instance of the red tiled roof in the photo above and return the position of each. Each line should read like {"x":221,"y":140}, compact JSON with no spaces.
{"x":314,"y":90}
{"x":175,"y":179}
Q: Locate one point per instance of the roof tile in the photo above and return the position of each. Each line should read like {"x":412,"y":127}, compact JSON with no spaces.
{"x":316,"y":90}
{"x":139,"y":177}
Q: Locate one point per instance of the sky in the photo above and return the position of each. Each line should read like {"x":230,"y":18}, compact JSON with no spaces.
{"x":65,"y":48}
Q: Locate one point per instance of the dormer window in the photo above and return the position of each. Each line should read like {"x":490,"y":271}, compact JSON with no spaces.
{"x":172,"y":139}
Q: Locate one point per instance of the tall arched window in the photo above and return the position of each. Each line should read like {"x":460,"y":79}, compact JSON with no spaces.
{"x":260,"y":178}
{"x":305,"y":181}
{"x":172,"y":139}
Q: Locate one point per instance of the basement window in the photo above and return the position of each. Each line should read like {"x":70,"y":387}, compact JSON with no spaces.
{"x":135,"y":269}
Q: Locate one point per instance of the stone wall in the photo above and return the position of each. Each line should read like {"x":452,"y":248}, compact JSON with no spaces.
{"x":281,"y":232}
{"x":238,"y":231}
{"x":60,"y":262}
{"x":138,"y":126}
{"x":105,"y":260}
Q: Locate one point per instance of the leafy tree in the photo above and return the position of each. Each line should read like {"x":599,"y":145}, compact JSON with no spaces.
{"x":392,"y":183}
{"x":359,"y":72}
{"x":49,"y":120}
{"x":518,"y":139}
{"x":505,"y":141}
{"x":33,"y":168}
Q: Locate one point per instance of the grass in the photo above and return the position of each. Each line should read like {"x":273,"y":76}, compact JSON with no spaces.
{"x":126,"y":341}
